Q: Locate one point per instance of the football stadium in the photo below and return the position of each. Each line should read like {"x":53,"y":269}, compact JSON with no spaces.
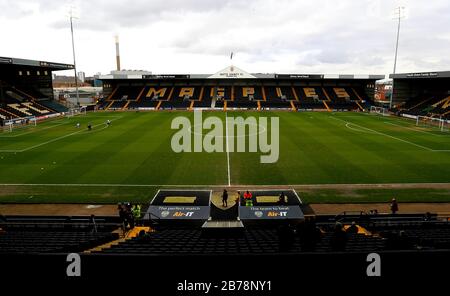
{"x":229,"y":167}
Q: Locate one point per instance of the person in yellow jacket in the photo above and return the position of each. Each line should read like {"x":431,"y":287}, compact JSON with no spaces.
{"x":136,"y":210}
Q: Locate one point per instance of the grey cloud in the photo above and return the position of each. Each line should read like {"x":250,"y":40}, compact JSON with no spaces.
{"x":314,"y":35}
{"x":100,"y":15}
{"x":13,"y":10}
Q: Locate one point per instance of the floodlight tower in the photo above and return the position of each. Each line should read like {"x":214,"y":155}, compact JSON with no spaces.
{"x":71,"y":17}
{"x":399,"y":16}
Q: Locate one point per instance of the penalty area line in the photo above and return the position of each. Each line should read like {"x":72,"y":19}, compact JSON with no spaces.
{"x":389,"y":136}
{"x":52,"y":140}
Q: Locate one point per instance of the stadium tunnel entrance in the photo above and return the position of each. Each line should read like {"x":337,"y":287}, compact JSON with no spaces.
{"x":202,"y":208}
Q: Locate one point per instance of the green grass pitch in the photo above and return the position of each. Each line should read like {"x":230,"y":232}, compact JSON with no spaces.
{"x":315,"y":148}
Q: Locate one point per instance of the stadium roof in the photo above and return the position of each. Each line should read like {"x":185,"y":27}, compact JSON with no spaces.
{"x":442,"y":74}
{"x":233,"y":72}
{"x":33,"y":63}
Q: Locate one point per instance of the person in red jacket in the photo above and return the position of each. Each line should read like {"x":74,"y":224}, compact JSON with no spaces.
{"x":248,"y":199}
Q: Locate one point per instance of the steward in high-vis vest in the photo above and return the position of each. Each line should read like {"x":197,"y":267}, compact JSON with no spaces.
{"x":136,"y":210}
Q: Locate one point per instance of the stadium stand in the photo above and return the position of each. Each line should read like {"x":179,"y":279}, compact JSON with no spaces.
{"x":377,"y":233}
{"x":26,"y":88}
{"x":433,"y":105}
{"x":424,"y":94}
{"x":50,"y":241}
{"x":277,"y":97}
{"x":251,"y":241}
{"x":236,"y":96}
{"x":52,"y":105}
{"x":309,"y":98}
{"x":233,"y":88}
{"x":124,"y":93}
{"x":54,"y":234}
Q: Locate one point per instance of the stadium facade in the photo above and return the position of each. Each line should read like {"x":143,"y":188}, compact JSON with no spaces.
{"x":234,"y":88}
{"x":26,"y":90}
{"x":424,"y":93}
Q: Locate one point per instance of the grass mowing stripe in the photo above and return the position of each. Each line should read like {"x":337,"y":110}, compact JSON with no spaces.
{"x":386,"y":135}
{"x":34,"y":131}
{"x":227,"y":149}
{"x":49,"y":141}
{"x":415,"y":129}
{"x":314,"y":149}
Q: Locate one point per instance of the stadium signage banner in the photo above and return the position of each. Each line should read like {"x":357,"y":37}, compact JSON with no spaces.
{"x":166,"y":76}
{"x":270,"y":212}
{"x":55,"y":65}
{"x":298,"y":76}
{"x":5,"y":60}
{"x":180,"y":212}
{"x":429,"y":74}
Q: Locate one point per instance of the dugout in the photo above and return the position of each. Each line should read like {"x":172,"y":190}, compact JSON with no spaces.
{"x":180,"y":207}
{"x":266,"y":207}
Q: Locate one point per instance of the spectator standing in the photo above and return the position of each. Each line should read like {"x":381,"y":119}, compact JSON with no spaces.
{"x":136,"y":211}
{"x":94,"y":224}
{"x":339,"y":239}
{"x":394,"y":206}
{"x":225,"y":198}
{"x":282,"y":199}
{"x":353,"y":229}
{"x":122,"y":215}
{"x":238,"y":198}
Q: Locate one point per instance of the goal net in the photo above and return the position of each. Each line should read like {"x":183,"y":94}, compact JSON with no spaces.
{"x":379,"y":110}
{"x":76,"y":111}
{"x":433,"y":122}
{"x":19,"y":123}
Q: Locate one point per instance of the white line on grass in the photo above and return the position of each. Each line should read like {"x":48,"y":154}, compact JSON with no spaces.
{"x":349,"y":126}
{"x":98,"y":116}
{"x":50,"y":141}
{"x":55,"y":123}
{"x":34,"y":131}
{"x":330,"y":185}
{"x":228,"y":150}
{"x":414,"y":129}
{"x":392,"y":137}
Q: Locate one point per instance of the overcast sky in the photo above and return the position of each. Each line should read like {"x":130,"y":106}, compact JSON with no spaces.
{"x":197,"y":36}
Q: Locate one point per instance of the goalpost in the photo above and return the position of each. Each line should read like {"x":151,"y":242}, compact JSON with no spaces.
{"x":379,"y":110}
{"x":439,"y":123}
{"x":16,"y":123}
{"x":76,"y":111}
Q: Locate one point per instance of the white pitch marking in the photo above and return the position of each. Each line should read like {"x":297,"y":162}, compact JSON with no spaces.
{"x":392,"y":137}
{"x":50,"y":141}
{"x":414,"y":129}
{"x":334,"y":185}
{"x":34,"y":131}
{"x":228,"y":150}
